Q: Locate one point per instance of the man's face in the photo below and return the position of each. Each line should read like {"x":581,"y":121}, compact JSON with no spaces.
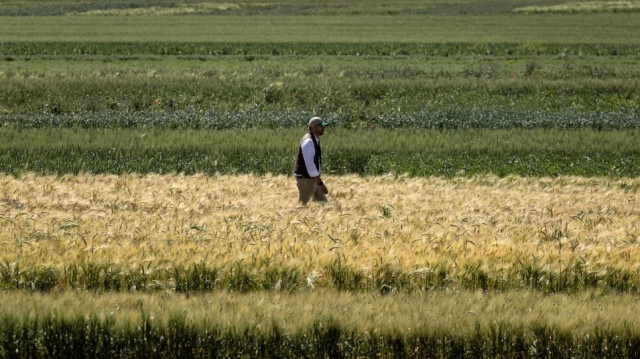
{"x":317,"y":130}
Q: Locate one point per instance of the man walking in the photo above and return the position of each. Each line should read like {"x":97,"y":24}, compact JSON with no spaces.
{"x":306,"y":169}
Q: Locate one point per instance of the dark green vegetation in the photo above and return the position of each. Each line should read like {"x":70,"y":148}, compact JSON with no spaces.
{"x":81,"y":337}
{"x":585,"y":152}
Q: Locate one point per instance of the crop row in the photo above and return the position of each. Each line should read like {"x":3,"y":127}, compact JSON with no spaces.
{"x":324,"y":324}
{"x":390,"y":234}
{"x":369,"y":152}
{"x":361,"y":141}
{"x":91,"y":337}
{"x":316,"y":48}
{"x":245,"y":119}
{"x":188,"y":161}
{"x":355,"y":95}
{"x":525,"y":273}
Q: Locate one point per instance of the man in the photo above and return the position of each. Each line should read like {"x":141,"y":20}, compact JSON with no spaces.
{"x":306,"y":169}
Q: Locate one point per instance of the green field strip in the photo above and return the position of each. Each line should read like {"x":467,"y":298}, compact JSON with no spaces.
{"x":580,"y":28}
{"x":418,"y":153}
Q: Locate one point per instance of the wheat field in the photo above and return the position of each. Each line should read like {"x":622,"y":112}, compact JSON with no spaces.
{"x":389,"y":233}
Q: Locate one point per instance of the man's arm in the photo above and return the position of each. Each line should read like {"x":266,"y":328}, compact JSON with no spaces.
{"x":308,"y":153}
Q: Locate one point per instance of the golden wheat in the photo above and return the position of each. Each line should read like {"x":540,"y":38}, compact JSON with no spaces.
{"x":488,"y":225}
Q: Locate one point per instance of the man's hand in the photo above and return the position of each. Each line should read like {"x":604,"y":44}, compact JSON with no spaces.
{"x":320,"y":184}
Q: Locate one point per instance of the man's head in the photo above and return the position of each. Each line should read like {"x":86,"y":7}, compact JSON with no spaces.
{"x":317,"y":125}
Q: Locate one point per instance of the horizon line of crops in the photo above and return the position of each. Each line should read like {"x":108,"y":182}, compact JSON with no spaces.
{"x":305,"y":8}
{"x":439,"y":325}
{"x":365,"y":152}
{"x":191,"y":7}
{"x":437,"y":49}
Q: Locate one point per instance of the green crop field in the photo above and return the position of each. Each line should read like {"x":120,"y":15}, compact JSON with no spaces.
{"x":618,"y":28}
{"x":482,"y":160}
{"x":468,"y":152}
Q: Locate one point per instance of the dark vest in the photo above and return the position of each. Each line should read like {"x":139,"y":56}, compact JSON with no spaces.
{"x":299,"y":167}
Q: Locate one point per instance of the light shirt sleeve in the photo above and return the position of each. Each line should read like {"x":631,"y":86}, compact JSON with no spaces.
{"x":308,"y":153}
